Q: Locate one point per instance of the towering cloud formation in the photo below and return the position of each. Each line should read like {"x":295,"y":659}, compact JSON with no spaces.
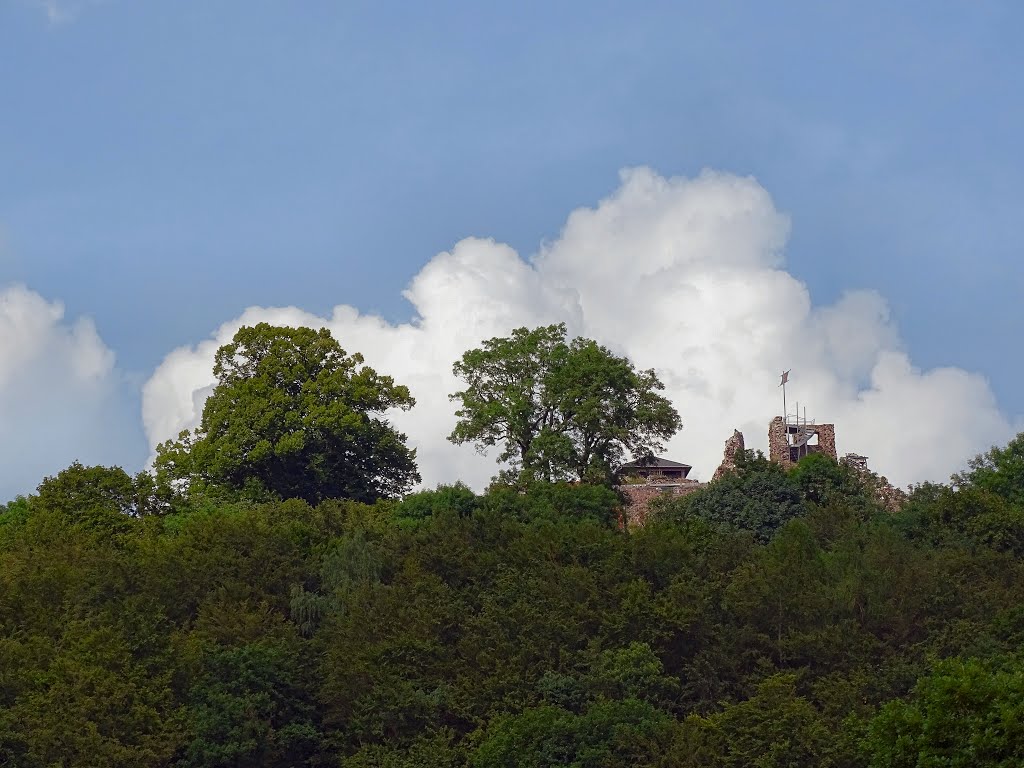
{"x":61,"y":397}
{"x":682,"y":275}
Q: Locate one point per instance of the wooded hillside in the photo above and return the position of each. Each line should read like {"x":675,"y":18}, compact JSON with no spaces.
{"x":513,"y":629}
{"x":269,"y":598}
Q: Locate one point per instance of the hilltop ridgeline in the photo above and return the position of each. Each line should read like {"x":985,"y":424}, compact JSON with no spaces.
{"x":227,"y":613}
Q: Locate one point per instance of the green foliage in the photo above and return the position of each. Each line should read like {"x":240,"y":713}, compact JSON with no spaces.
{"x":819,"y":477}
{"x":555,"y":501}
{"x":608,"y":734}
{"x":944,"y":516}
{"x":822,"y":481}
{"x":516,"y":627}
{"x":78,"y":488}
{"x":93,"y":702}
{"x":783,"y":590}
{"x":417,"y":507}
{"x":966,"y":714}
{"x":775,"y":728}
{"x":98,"y":497}
{"x":294,"y":416}
{"x":758,"y":497}
{"x":999,"y":471}
{"x":559,"y":410}
{"x":436,"y":750}
{"x":352,"y":562}
{"x":248,"y":705}
{"x":631,"y":672}
{"x":14,"y":511}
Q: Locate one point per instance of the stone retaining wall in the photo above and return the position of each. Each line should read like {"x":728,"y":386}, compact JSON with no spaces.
{"x":639,"y":497}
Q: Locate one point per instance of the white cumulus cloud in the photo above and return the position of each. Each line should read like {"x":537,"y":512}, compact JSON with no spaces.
{"x":61,"y":397}
{"x":683,"y":275}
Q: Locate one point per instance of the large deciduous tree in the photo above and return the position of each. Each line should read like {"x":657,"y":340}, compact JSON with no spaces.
{"x":294,"y":415}
{"x":559,"y":410}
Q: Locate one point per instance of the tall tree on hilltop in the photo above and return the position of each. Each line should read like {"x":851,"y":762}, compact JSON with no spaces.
{"x":560,"y":410}
{"x":78,"y":489}
{"x":294,"y":415}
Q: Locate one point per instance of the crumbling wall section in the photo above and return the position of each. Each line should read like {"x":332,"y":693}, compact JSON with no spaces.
{"x":778,"y":445}
{"x":640,"y":496}
{"x":888,"y":495}
{"x":885,"y":493}
{"x":733,"y":447}
{"x":827,"y":440}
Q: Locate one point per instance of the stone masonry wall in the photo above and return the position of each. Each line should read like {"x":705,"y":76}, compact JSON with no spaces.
{"x":827,"y":440}
{"x":889,"y":496}
{"x":733,"y":446}
{"x":639,"y":498}
{"x":778,"y":444}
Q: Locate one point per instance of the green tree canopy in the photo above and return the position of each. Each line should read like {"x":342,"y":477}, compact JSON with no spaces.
{"x":775,"y":728}
{"x":610,"y":733}
{"x":79,"y":489}
{"x":999,"y":471}
{"x":520,"y":627}
{"x":559,"y":410}
{"x":965,"y":715}
{"x":293,"y":415}
{"x":758,"y":497}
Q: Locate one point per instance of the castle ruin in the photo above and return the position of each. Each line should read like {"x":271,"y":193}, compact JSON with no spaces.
{"x":789,"y":440}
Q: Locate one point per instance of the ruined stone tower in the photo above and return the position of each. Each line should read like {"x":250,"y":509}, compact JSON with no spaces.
{"x":788,"y":442}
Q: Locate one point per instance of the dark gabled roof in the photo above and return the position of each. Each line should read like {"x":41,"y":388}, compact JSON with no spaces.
{"x":656,"y":463}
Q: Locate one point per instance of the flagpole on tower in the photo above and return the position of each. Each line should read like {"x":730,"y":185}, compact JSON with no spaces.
{"x":785,"y":378}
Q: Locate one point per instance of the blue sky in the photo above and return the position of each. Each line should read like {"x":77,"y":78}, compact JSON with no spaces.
{"x":163,"y":166}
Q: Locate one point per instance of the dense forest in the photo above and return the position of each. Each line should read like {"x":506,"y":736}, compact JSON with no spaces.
{"x":202,"y":616}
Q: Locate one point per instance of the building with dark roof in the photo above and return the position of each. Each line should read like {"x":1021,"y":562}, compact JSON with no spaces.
{"x":656,"y":469}
{"x":648,"y":479}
